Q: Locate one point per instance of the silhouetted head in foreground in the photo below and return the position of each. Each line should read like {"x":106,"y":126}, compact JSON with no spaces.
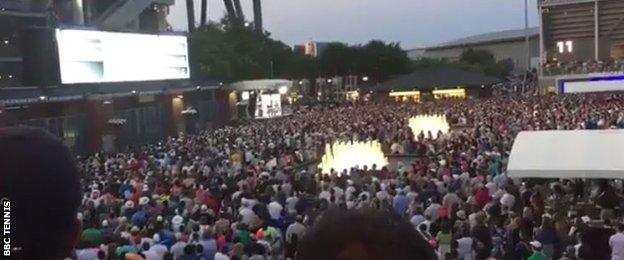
{"x":363,"y":234}
{"x":40,"y":180}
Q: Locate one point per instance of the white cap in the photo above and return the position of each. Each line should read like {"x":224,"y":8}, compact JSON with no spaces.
{"x":143,"y":201}
{"x":536,"y":244}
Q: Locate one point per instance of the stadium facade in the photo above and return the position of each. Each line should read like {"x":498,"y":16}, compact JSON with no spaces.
{"x":508,"y":44}
{"x":582,"y":45}
{"x":100,"y":75}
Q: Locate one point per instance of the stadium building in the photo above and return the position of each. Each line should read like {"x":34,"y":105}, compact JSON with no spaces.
{"x":582,"y":45}
{"x":509,"y":44}
{"x":101,"y":75}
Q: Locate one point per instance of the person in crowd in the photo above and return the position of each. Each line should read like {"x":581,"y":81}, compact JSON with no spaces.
{"x":40,"y":184}
{"x":616,"y":242}
{"x":363,"y":234}
{"x":536,"y":246}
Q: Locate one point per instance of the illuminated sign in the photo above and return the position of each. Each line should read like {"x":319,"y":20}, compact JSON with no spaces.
{"x":96,"y":56}
{"x":598,"y":84}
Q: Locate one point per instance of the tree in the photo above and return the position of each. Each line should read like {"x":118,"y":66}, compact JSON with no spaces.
{"x":427,"y":63}
{"x":231,"y":53}
{"x":483,"y":61}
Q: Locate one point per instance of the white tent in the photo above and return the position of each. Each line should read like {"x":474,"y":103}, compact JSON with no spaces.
{"x":590,"y":154}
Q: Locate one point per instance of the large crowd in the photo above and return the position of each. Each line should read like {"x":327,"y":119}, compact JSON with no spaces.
{"x":252,"y":191}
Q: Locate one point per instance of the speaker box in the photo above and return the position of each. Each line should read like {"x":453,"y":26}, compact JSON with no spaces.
{"x":40,"y":62}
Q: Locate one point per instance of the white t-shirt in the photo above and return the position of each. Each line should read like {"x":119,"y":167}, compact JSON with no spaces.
{"x":291,"y":203}
{"x":87,"y":254}
{"x":159,"y":249}
{"x":247,"y":215}
{"x":221,"y":256}
{"x":275,"y":210}
{"x":617,"y":246}
{"x":464,"y":248}
{"x":508,"y":200}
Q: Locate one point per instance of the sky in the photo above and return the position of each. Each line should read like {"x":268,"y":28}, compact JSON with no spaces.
{"x":413,"y":23}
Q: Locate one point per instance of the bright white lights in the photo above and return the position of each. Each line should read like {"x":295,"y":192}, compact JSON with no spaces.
{"x":10,"y":76}
{"x":329,"y":80}
{"x":94,"y":56}
{"x":426,"y":123}
{"x":283,"y":90}
{"x":365,"y":78}
{"x":42,"y":98}
{"x":344,"y":156}
{"x":245,"y":95}
{"x":134,"y":92}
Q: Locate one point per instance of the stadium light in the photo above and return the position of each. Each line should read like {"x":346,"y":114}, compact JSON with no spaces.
{"x":365,"y":78}
{"x":42,"y":98}
{"x":301,"y":82}
{"x":329,"y":80}
{"x":283,"y":90}
{"x":134,"y":91}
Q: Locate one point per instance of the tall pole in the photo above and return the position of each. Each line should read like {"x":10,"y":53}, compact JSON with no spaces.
{"x":526,"y":43}
{"x":204,"y":13}
{"x":190,"y":15}
{"x":239,"y":12}
{"x":257,"y":10}
{"x":229,"y":7}
{"x":596,"y":31}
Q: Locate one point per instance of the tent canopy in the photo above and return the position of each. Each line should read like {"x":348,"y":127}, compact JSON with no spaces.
{"x":437,"y":77}
{"x":587,"y":154}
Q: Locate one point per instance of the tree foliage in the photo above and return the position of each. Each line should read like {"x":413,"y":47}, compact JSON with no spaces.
{"x":484,"y":61}
{"x":221,"y":51}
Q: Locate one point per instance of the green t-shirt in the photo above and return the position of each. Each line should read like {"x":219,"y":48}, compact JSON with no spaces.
{"x":444,"y":238}
{"x":538,"y":256}
{"x":244,"y":237}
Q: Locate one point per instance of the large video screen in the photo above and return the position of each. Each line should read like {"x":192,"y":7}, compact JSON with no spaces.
{"x":268,"y":106}
{"x":95,"y":56}
{"x":600,"y":84}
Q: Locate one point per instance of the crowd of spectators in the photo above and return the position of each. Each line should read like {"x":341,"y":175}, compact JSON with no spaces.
{"x":252,"y":191}
{"x":239,"y":193}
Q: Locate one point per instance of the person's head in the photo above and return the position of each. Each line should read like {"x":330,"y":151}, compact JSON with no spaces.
{"x":40,"y":181}
{"x":362,"y":234}
{"x":620,"y":227}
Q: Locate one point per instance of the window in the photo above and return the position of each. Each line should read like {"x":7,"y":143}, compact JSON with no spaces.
{"x":564,"y":46}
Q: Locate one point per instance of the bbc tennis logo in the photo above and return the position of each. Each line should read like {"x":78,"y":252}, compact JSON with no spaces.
{"x":5,"y":204}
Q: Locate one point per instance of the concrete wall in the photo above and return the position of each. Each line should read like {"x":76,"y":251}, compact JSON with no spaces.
{"x":514,"y":50}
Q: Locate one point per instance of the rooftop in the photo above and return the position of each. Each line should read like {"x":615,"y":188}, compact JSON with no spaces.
{"x":500,"y":36}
